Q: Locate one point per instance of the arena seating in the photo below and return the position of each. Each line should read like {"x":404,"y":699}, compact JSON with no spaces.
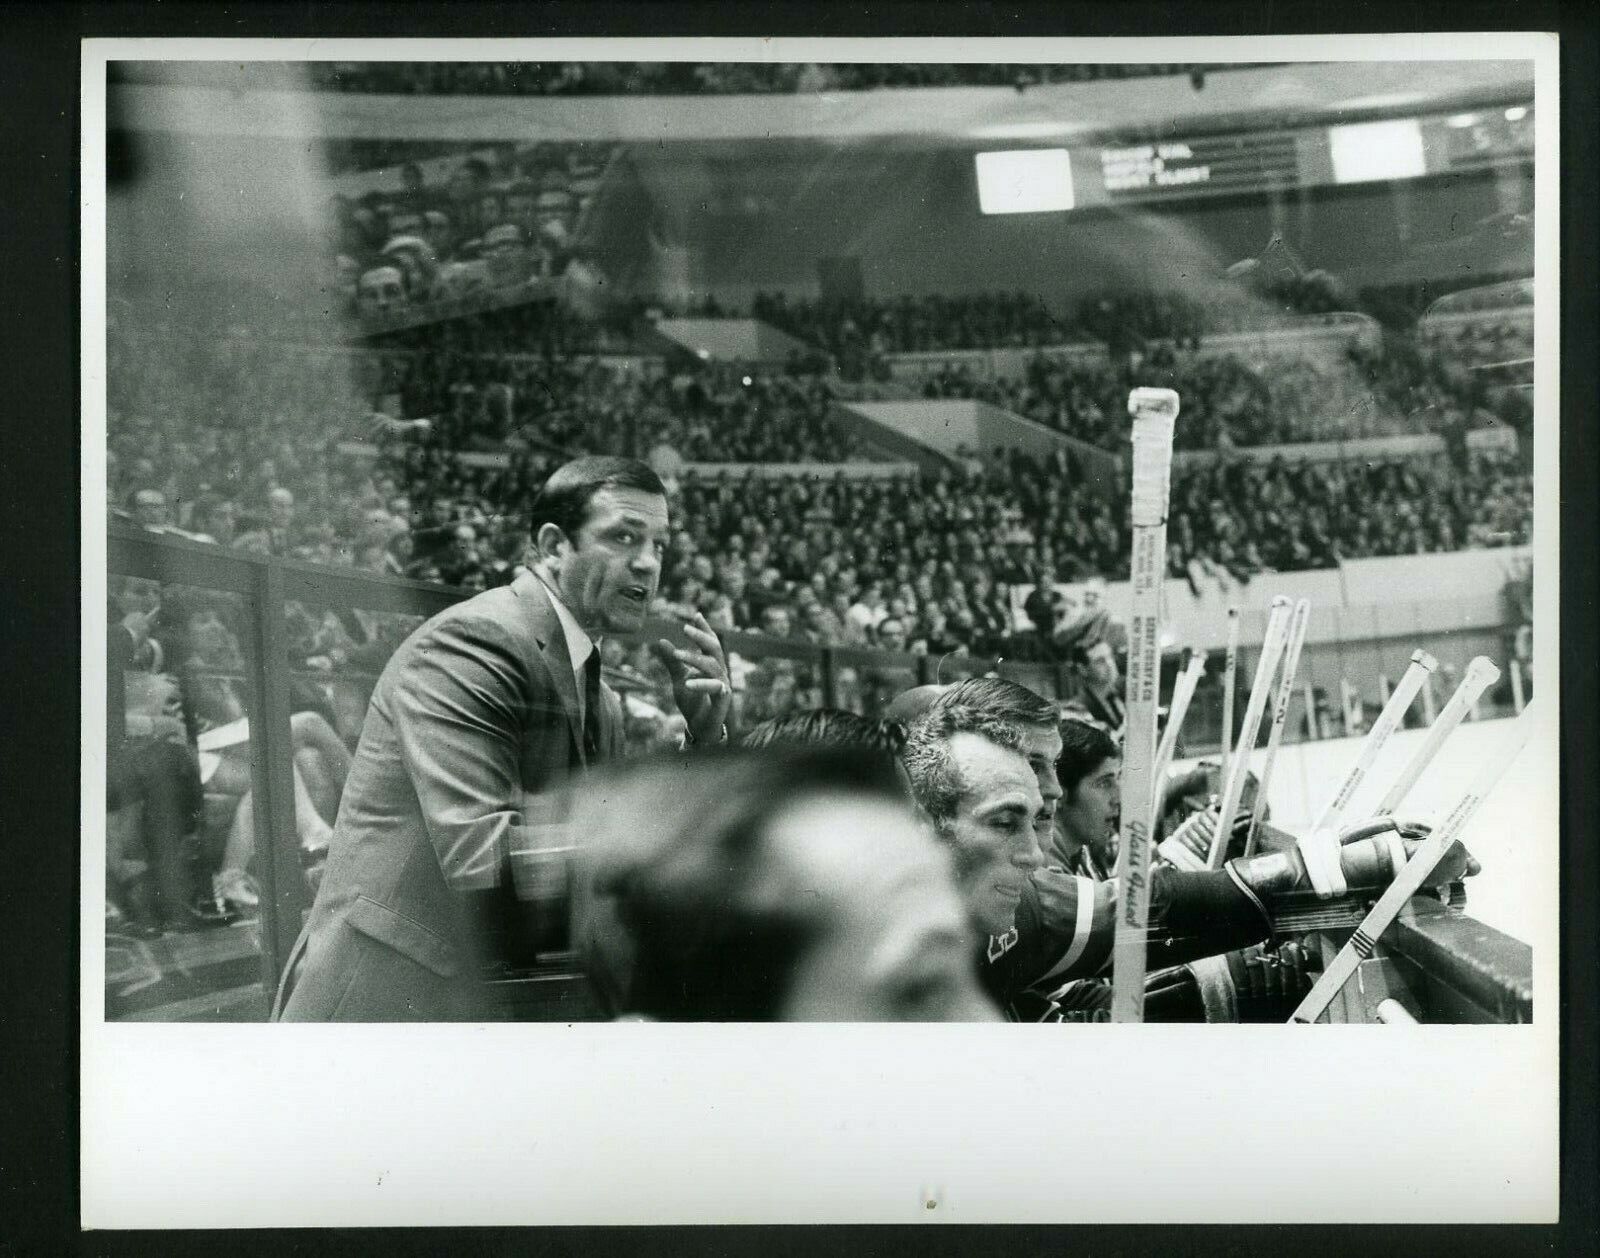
{"x":492,"y":222}
{"x":221,"y":426}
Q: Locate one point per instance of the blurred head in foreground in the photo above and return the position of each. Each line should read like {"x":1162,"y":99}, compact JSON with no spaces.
{"x":779,"y":885}
{"x":828,"y":727}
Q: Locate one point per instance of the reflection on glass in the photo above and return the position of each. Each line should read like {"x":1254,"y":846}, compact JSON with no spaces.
{"x":182,"y":907}
{"x":334,"y":658}
{"x":879,"y":356}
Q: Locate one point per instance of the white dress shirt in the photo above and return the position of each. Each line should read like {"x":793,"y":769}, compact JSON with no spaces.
{"x":579,"y":644}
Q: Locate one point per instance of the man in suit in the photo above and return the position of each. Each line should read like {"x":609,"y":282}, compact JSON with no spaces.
{"x":1100,"y":690}
{"x":451,"y":828}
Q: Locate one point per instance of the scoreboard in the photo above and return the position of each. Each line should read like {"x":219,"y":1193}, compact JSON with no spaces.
{"x":1221,"y":163}
{"x":1180,"y":167}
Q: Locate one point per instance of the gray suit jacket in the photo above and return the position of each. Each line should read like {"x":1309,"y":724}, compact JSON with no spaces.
{"x":454,"y":801}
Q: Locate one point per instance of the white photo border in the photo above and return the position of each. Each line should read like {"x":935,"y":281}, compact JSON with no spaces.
{"x":645,"y":1123}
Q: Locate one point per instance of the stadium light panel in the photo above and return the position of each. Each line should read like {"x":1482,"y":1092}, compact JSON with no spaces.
{"x":1025,"y":181}
{"x":1367,"y":151}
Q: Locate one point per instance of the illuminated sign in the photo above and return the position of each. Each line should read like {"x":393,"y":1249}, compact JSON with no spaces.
{"x":1025,"y":181}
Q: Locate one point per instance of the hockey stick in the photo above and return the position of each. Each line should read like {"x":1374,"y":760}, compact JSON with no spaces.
{"x":1481,"y":674}
{"x":1394,"y":711}
{"x":1280,"y":716}
{"x":1260,"y":689}
{"x":1410,"y":879}
{"x":1230,"y":671}
{"x":1155,"y":412}
{"x":1182,"y":694}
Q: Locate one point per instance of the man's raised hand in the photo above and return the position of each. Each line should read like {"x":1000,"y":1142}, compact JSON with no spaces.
{"x":700,"y":684}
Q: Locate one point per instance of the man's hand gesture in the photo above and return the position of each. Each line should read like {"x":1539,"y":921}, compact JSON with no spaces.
{"x":700,"y":684}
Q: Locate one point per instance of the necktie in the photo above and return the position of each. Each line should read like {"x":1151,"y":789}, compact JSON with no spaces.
{"x":591,"y":707}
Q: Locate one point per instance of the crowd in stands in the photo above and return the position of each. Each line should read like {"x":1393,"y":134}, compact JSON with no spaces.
{"x":245,"y":441}
{"x":497,"y":220}
{"x":861,"y":333}
{"x":1228,"y":402}
{"x":655,"y":78}
{"x":925,"y":564}
{"x":866,"y":330}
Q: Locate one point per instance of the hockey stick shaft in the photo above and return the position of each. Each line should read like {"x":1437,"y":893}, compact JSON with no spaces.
{"x":1260,"y":690}
{"x":1182,"y":694}
{"x":1394,"y":711}
{"x":1230,"y":673}
{"x":1155,"y":412}
{"x":1280,"y":716}
{"x":1481,"y":674}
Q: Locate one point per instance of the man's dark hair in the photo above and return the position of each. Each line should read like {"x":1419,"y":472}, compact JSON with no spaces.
{"x":565,"y":497}
{"x":673,"y":921}
{"x":1086,"y":744}
{"x":828,"y":727}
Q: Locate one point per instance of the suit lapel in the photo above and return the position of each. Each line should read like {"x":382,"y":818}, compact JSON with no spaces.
{"x":551,"y":643}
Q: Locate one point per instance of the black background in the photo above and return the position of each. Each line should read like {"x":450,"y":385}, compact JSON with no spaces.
{"x":39,"y":594}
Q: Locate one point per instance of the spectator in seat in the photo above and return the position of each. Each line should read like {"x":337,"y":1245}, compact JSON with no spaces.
{"x":1100,"y":685}
{"x":776,"y":622}
{"x":149,"y":507}
{"x":891,"y":634}
{"x":153,"y":804}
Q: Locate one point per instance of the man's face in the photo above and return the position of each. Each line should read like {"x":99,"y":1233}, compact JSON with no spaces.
{"x":1090,"y":816}
{"x":151,"y":507}
{"x":1102,"y":666}
{"x":892,"y":635}
{"x":895,"y":944}
{"x":280,"y":507}
{"x":377,"y":527}
{"x":991,"y":833}
{"x":1041,"y":744}
{"x":608,"y":573}
{"x":775,"y":620}
{"x":208,"y":636}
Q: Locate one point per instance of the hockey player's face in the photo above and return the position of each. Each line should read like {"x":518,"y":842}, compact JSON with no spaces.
{"x":1090,"y":814}
{"x":1041,"y":744}
{"x":991,"y":834}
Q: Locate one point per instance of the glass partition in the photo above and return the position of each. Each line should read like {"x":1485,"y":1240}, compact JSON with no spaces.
{"x":879,"y":357}
{"x":184,"y":938}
